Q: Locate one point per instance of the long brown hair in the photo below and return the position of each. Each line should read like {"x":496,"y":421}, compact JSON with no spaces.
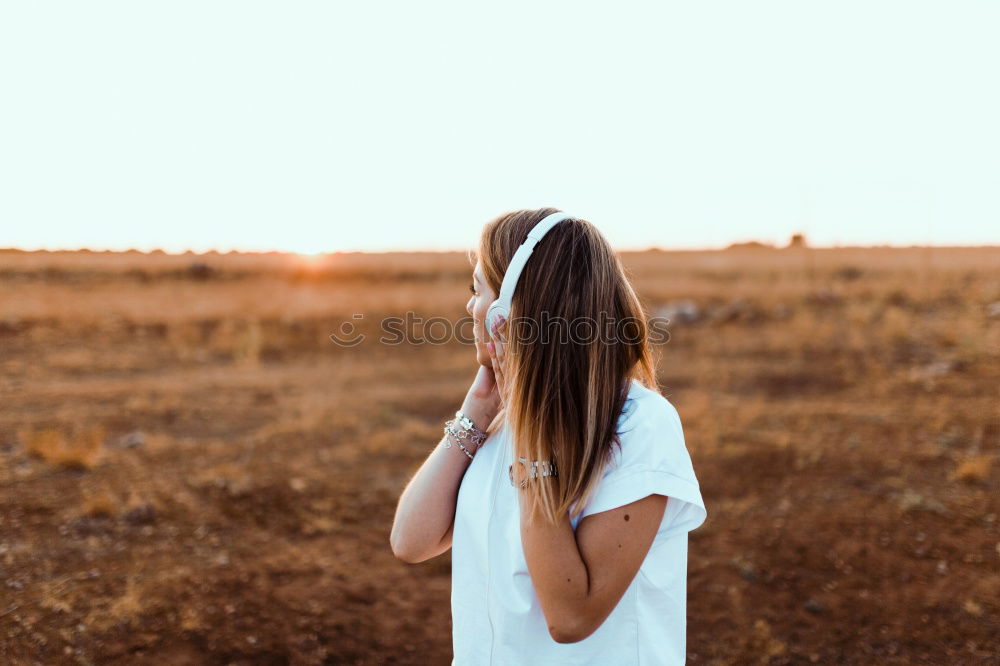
{"x":567,"y":384}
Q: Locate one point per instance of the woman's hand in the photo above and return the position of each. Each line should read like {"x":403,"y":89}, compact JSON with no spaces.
{"x":482,"y":402}
{"x":485,"y":397}
{"x":497,"y":348}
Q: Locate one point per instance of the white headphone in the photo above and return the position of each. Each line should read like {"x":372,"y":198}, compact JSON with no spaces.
{"x":501,"y":306}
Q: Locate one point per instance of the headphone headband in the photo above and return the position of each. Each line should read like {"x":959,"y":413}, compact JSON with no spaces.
{"x":501,"y":306}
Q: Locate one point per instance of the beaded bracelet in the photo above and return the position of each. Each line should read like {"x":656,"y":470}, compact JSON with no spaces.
{"x":469,"y":429}
{"x":468,"y":432}
{"x":459,"y":442}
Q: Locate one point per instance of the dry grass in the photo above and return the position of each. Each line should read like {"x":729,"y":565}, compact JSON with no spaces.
{"x":72,"y":451}
{"x":974,"y":470}
{"x":100,"y":502}
{"x":192,"y":472}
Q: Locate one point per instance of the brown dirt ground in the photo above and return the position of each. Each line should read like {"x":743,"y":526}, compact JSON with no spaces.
{"x":191,"y":472}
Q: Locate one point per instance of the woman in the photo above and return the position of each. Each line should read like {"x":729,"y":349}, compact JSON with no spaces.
{"x":568,"y":524}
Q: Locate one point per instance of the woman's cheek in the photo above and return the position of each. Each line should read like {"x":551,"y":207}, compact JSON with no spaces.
{"x":479,"y":330}
{"x":480,"y":316}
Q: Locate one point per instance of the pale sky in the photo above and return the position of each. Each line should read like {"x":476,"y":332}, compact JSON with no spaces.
{"x":326,"y":126}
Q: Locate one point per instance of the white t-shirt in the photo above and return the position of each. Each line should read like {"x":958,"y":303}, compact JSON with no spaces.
{"x":496,"y":615}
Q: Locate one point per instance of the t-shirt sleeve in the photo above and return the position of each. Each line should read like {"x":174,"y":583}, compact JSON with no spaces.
{"x":653,"y":459}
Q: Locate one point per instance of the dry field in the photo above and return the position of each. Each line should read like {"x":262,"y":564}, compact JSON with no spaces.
{"x":192,"y":472}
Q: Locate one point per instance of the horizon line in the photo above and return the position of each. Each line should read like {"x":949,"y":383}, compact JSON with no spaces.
{"x":738,"y":245}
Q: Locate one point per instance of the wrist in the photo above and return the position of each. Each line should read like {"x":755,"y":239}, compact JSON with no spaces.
{"x":465,"y":431}
{"x":480,"y":414}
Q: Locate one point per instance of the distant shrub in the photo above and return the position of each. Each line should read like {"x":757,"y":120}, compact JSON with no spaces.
{"x":74,"y":452}
{"x":797,"y":240}
{"x":199,"y":270}
{"x":750,"y":245}
{"x":849,"y":273}
{"x":973,"y":470}
{"x":99,"y":502}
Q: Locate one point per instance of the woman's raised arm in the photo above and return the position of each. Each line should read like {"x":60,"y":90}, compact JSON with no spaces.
{"x":425,"y":515}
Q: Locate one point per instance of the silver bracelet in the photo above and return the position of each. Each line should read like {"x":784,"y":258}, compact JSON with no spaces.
{"x":459,"y":442}
{"x":476,"y":435}
{"x":469,"y":431}
{"x":536,"y":469}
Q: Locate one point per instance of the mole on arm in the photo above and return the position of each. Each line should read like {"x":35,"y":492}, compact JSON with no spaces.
{"x":626,"y":516}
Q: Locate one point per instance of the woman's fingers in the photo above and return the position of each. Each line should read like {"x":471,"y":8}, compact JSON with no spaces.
{"x":499,"y":342}
{"x":501,"y":346}
{"x":501,"y":329}
{"x":495,"y":350}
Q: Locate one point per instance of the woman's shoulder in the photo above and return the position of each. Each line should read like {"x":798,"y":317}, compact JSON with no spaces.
{"x":650,"y":432}
{"x":646,"y":411}
{"x":650,"y":457}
